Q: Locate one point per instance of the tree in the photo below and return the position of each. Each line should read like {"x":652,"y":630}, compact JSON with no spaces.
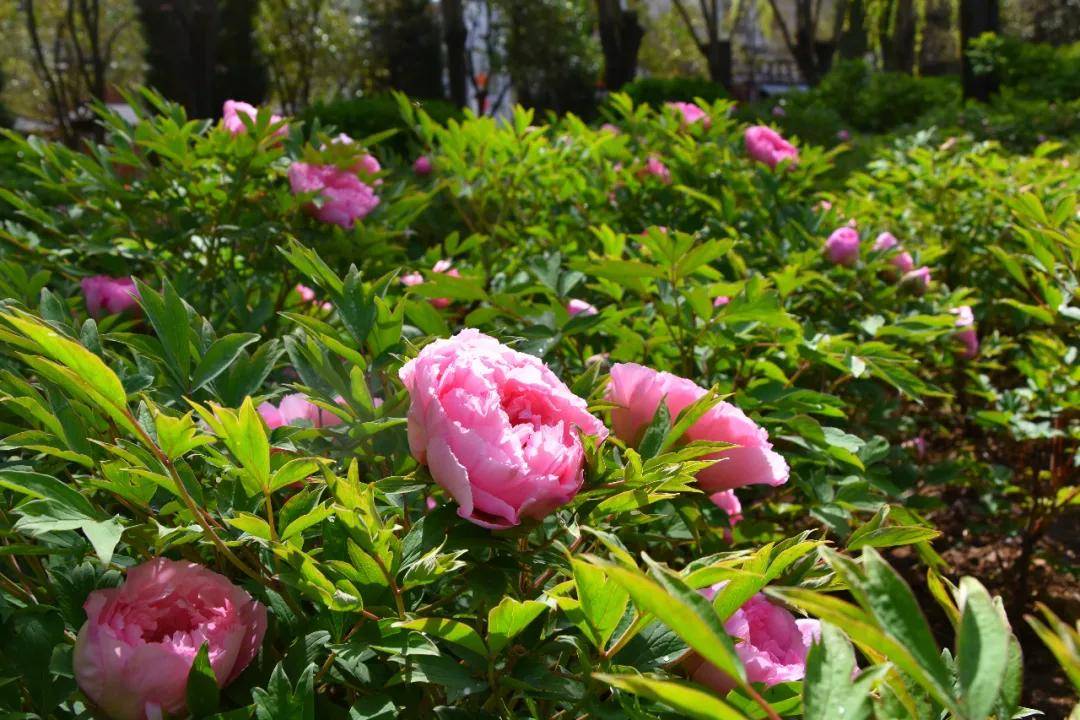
{"x":620,"y":40}
{"x":406,"y":35}
{"x":717,"y":52}
{"x":977,"y":17}
{"x":456,"y":38}
{"x":72,"y":46}
{"x":202,"y":52}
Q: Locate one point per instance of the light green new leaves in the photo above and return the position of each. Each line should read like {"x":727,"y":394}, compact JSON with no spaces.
{"x":828,"y":690}
{"x":245,"y":436}
{"x":451,"y":631}
{"x":682,"y":697}
{"x":682,"y":609}
{"x":602,"y":604}
{"x":1063,"y":641}
{"x":508,"y":619}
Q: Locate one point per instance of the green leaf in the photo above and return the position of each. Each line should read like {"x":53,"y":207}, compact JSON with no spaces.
{"x":602,"y":604}
{"x":202,"y":688}
{"x":683,"y":610}
{"x":652,"y":440}
{"x":683,"y":697}
{"x":981,"y":650}
{"x":892,"y":536}
{"x":169,"y":318}
{"x":220,"y":355}
{"x":507,"y":619}
{"x":450,"y":630}
{"x":104,"y":536}
{"x":828,"y":692}
{"x":49,"y":488}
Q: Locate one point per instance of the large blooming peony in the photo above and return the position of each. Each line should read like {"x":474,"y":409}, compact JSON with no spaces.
{"x":771,"y":643}
{"x":767,"y":146}
{"x":297,"y":409}
{"x":343,"y":198}
{"x":134,"y":653}
{"x":496,"y":428}
{"x":108,"y":296}
{"x":232,"y":117}
{"x":637,"y":391}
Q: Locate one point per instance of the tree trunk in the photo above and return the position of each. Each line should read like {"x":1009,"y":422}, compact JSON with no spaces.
{"x":852,"y":42}
{"x":718,"y":56}
{"x":898,"y":46}
{"x":806,"y":56}
{"x":620,"y":39}
{"x":977,"y":17}
{"x":455,"y":35}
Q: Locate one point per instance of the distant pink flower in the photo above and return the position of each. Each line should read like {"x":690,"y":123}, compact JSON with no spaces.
{"x":919,"y":280}
{"x":657,"y":169}
{"x":772,"y":644}
{"x":597,"y":358}
{"x":778,"y":111}
{"x":637,"y":392}
{"x":231,"y":117}
{"x":343,"y":198}
{"x":918,"y":444}
{"x":843,"y":135}
{"x":842,"y":247}
{"x":307,"y":295}
{"x":580,"y":307}
{"x":691,"y":113}
{"x":442,"y":266}
{"x":611,"y":129}
{"x":106,"y":295}
{"x":904,"y":262}
{"x":767,"y":146}
{"x":885,"y":241}
{"x":496,"y":429}
{"x":823,"y":206}
{"x":297,"y":409}
{"x":721,"y":301}
{"x":422,"y":167}
{"x":965,"y":330}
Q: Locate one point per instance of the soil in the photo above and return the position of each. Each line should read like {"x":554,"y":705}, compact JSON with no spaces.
{"x":1054,"y":579}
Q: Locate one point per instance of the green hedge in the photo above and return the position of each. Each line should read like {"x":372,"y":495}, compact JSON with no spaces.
{"x":361,"y":117}
{"x":657,"y":91}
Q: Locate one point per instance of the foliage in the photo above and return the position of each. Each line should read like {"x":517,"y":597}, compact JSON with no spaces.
{"x":133,"y":436}
{"x":374,"y":114}
{"x":656,"y":91}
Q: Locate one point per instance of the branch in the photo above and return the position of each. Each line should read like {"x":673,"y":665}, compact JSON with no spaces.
{"x":689,"y":25}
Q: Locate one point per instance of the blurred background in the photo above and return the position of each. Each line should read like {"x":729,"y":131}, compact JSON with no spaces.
{"x":839,"y":67}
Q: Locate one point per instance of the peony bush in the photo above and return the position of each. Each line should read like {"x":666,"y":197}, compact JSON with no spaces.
{"x":536,"y":421}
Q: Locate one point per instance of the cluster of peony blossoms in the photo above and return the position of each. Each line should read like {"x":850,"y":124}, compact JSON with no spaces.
{"x":842,"y":248}
{"x":135,"y":650}
{"x":442,"y":266}
{"x":106,"y":295}
{"x":343,"y":198}
{"x":502,"y":434}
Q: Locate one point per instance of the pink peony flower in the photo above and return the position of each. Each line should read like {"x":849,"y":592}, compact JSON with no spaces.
{"x":580,"y":307}
{"x":422,"y":167}
{"x":778,"y":111}
{"x":135,"y":650}
{"x":721,"y":301}
{"x":611,"y":129}
{"x":823,"y":206}
{"x":842,"y":247}
{"x":965,"y":330}
{"x":843,"y":135}
{"x":766,"y":146}
{"x":295,"y":409}
{"x":771,"y":643}
{"x":918,"y":444}
{"x":903,"y":262}
{"x":728,"y":501}
{"x":307,"y":295}
{"x":657,"y":169}
{"x":638,"y":391}
{"x":496,"y":428}
{"x":105,"y":295}
{"x":691,"y":113}
{"x":885,"y":241}
{"x":344,"y":198}
{"x":232,"y":121}
{"x":919,"y":280}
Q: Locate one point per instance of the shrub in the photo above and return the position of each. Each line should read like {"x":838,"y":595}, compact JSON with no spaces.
{"x":657,"y":91}
{"x":368,"y":116}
